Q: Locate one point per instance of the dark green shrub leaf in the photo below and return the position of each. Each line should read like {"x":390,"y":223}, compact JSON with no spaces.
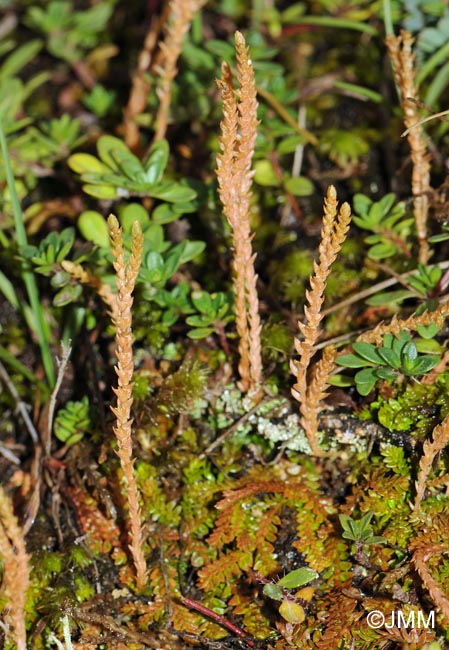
{"x":107,"y":146}
{"x":175,"y":192}
{"x":351,"y":361}
{"x":367,"y":351}
{"x":365,"y":381}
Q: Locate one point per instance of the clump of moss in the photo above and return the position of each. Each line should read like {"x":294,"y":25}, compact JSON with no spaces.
{"x":416,"y":408}
{"x":178,"y":392}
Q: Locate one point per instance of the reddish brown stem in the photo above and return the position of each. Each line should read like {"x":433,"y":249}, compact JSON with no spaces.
{"x":221,"y":620}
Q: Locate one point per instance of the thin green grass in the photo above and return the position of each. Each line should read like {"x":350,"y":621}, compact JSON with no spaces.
{"x":19,"y":367}
{"x":40,"y":325}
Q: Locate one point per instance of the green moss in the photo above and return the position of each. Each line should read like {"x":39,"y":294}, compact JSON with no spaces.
{"x":277,"y":341}
{"x":417,"y":408}
{"x":83,"y":589}
{"x":288,"y":276}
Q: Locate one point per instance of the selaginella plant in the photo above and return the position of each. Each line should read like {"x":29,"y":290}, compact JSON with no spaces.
{"x":126,"y":275}
{"x":238,"y":137}
{"x":190,"y":459}
{"x":310,"y":391}
{"x":403,"y":62}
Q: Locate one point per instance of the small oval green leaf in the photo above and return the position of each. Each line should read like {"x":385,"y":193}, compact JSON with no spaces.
{"x":93,"y":227}
{"x":84,"y":163}
{"x":298,"y":578}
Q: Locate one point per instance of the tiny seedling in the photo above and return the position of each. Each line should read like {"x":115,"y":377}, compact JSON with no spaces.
{"x":290,"y":609}
{"x":360,"y":531}
{"x":385,"y":220}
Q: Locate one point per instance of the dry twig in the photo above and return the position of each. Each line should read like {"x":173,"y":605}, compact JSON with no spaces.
{"x":62,"y":365}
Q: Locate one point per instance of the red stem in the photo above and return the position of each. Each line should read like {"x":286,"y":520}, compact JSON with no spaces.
{"x":221,"y":620}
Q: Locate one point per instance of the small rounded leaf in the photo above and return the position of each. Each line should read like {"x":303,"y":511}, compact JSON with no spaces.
{"x":273,"y":591}
{"x":299,"y":186}
{"x":292,"y":612}
{"x":298,"y":578}
{"x":264,"y":174}
{"x":101,"y":191}
{"x":92,"y":225}
{"x":84,"y":163}
{"x":131,"y":213}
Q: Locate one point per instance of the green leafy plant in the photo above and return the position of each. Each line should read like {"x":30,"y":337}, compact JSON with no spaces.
{"x":387,"y":223}
{"x":52,"y":141}
{"x":425,"y":281}
{"x":100,"y":100}
{"x":290,"y":609}
{"x":47,"y":258}
{"x":13,"y":91}
{"x":39,"y":148}
{"x":396,"y":356}
{"x":423,"y":285}
{"x":70,"y":32}
{"x":72,"y":421}
{"x":394,"y":458}
{"x":360,"y":531}
{"x":50,"y":252}
{"x":433,"y":37}
{"x":214,"y":311}
{"x":38,"y":322}
{"x":118,"y":173}
{"x":174,"y":303}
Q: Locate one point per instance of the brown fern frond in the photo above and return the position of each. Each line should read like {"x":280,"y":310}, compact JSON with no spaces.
{"x":180,"y":19}
{"x":440,"y":438}
{"x":333,"y":233}
{"x":122,"y":319}
{"x":16,"y":570}
{"x":237,"y":141}
{"x":403,"y":63}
